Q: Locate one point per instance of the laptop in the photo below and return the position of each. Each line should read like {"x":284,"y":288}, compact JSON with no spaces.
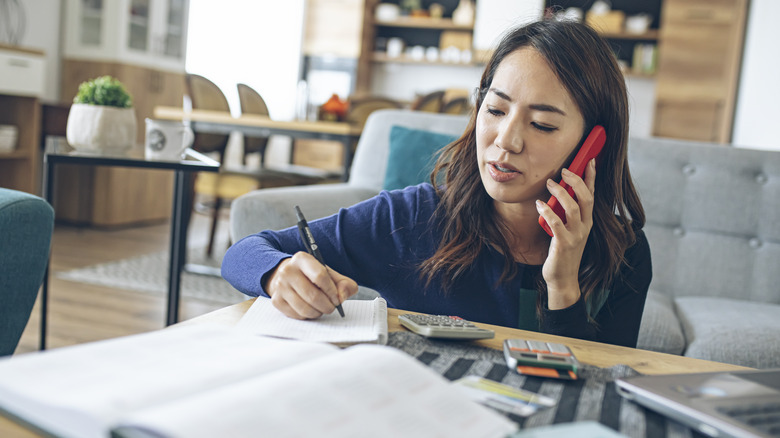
{"x":723,"y":404}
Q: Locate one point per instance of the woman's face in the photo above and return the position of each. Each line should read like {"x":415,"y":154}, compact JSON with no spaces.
{"x":527,"y":127}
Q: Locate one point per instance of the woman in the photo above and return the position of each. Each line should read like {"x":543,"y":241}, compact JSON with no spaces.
{"x":472,"y":246}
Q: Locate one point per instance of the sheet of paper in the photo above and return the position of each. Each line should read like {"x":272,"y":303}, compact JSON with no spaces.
{"x":366,"y":390}
{"x":364,"y":321}
{"x":80,"y":391}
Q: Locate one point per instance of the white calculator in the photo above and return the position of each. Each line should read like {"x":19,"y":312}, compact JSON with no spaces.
{"x":444,"y":327}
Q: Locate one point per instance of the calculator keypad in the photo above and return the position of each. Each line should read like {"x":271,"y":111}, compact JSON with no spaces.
{"x":442,"y":326}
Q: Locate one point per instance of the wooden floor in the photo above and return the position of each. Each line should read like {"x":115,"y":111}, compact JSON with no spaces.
{"x":80,"y":312}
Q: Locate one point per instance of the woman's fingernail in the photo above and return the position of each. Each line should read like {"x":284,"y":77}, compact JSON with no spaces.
{"x":550,"y":182}
{"x":539,"y":204}
{"x":566,"y":171}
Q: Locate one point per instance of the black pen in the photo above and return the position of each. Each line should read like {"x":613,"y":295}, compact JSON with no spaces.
{"x":311,"y":246}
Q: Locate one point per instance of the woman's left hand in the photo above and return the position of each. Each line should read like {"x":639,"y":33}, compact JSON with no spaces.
{"x":561,"y":268}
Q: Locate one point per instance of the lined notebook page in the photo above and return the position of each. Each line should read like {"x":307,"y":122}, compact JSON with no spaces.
{"x":365,"y":321}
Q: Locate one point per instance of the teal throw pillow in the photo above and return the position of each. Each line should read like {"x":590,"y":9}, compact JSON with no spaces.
{"x":412,"y":156}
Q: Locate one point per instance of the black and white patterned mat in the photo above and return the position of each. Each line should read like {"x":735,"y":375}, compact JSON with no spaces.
{"x":592,"y":397}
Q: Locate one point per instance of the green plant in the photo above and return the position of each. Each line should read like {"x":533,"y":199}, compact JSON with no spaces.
{"x":105,"y":90}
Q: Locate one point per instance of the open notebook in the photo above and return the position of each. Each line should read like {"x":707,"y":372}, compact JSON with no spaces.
{"x":209,"y":381}
{"x":365,"y":321}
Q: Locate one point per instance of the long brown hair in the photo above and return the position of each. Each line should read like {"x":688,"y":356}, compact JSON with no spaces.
{"x":466,"y":218}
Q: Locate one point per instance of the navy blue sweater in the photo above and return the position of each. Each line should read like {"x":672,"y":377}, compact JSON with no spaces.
{"x":381,"y":242}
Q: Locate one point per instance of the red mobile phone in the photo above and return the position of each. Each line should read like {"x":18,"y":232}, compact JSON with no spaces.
{"x":590,"y":149}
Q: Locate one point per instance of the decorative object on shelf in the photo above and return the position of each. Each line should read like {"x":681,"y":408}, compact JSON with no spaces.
{"x":436,"y":11}
{"x":645,"y":59}
{"x":8,"y":136}
{"x":409,"y":6}
{"x":12,"y":22}
{"x":602,"y":18}
{"x":463,"y":15}
{"x":101,"y":117}
{"x":334,"y":109}
{"x":638,"y":24}
{"x":395,"y":47}
{"x":387,"y":12}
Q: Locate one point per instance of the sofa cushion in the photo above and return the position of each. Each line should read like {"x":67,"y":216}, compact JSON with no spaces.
{"x":412,"y":156}
{"x":732,"y":331}
{"x":660,"y":329}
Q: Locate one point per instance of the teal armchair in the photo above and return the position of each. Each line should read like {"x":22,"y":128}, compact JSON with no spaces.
{"x":26,"y":225}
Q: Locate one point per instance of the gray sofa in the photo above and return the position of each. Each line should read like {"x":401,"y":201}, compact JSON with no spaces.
{"x":713,"y":223}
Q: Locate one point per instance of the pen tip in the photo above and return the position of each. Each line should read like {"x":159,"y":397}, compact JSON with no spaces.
{"x":298,"y":213}
{"x":341,"y":311}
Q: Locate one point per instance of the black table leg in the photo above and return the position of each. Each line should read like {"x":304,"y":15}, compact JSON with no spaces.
{"x":179,"y":219}
{"x":48,"y":184}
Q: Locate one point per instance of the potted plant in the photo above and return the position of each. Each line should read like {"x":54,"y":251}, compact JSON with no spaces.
{"x":101,"y":117}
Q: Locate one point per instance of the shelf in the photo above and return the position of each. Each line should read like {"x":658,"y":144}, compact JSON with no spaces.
{"x":425,"y":23}
{"x":380,"y":57}
{"x":650,"y":35}
{"x":15,"y":155}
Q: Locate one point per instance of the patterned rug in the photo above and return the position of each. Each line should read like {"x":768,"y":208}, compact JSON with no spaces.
{"x":149,"y":274}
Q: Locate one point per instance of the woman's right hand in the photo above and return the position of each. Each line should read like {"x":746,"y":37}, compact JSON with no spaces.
{"x":303,"y":288}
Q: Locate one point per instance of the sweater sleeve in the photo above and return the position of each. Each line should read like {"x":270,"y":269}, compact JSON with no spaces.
{"x":364,"y":242}
{"x":617,"y":322}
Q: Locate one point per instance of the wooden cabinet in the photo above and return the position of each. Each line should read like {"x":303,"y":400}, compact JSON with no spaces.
{"x":22,"y":72}
{"x":151,"y":33}
{"x":698,"y":71}
{"x":143,"y":44}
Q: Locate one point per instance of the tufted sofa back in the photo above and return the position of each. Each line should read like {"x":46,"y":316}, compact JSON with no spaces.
{"x":713,"y":218}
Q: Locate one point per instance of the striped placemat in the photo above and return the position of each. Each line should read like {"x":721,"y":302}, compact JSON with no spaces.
{"x":592,"y":397}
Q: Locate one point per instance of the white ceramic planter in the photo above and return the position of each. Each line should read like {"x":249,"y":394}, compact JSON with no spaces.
{"x":98,"y":128}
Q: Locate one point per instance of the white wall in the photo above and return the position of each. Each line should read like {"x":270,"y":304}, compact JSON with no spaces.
{"x":255,"y":42}
{"x":758,"y":105}
{"x":42,"y":32}
{"x":406,"y":81}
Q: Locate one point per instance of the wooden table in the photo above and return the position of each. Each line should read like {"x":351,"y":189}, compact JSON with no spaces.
{"x":588,"y":352}
{"x":592,"y":353}
{"x":220,"y":122}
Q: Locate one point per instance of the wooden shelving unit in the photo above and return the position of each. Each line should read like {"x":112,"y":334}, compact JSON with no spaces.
{"x":19,"y":106}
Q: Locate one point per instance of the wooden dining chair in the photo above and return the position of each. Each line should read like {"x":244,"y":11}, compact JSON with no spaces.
{"x":431,"y":102}
{"x":457,"y":105}
{"x":252,"y":103}
{"x":206,"y":95}
{"x":361,"y":107}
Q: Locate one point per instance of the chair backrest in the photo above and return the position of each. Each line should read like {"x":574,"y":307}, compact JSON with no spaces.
{"x":253,"y":103}
{"x":361,"y":108}
{"x":206,"y":95}
{"x":713,"y":219}
{"x":26,"y":224}
{"x":430,"y":103}
{"x":370,"y":161}
{"x":457,"y":105}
